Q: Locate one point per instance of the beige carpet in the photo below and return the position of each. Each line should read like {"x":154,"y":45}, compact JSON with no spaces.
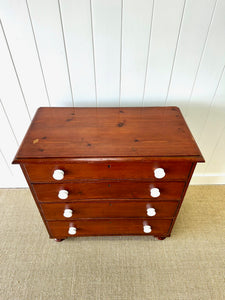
{"x":188,"y":265}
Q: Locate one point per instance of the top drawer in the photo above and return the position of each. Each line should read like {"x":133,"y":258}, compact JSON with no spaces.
{"x":176,"y":170}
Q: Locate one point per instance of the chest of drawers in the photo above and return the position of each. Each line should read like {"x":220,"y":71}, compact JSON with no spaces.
{"x":108,"y":171}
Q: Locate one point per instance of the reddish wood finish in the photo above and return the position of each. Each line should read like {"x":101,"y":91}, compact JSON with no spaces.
{"x":66,"y":160}
{"x":109,"y":209}
{"x":183,"y":194}
{"x":109,"y":170}
{"x":89,"y":227}
{"x":108,"y":156}
{"x":35,"y":198}
{"x":108,"y":190}
{"x":108,"y":132}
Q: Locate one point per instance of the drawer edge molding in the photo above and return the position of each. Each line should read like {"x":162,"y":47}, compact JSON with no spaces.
{"x":72,"y":160}
{"x":104,"y":227}
{"x":109,"y":209}
{"x":109,"y":190}
{"x":56,"y":173}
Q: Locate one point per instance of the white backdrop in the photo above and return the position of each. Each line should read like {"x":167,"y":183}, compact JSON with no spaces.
{"x":114,"y":53}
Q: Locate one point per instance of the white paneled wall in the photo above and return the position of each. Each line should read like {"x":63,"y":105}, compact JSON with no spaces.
{"x":114,"y":53}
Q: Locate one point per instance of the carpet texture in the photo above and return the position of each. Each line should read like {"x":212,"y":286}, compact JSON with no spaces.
{"x":188,"y":265}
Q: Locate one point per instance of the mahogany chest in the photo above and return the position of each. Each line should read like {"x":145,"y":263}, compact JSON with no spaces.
{"x":108,"y":171}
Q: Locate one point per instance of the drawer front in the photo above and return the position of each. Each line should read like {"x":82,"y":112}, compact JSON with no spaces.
{"x":109,"y":190}
{"x":91,"y":227}
{"x":110,"y":209}
{"x":111,"y":170}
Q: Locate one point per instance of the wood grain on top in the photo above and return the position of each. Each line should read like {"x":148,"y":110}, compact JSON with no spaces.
{"x":63,"y":132}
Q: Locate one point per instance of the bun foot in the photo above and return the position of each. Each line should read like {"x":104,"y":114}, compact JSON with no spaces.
{"x":161,"y":238}
{"x":59,"y":240}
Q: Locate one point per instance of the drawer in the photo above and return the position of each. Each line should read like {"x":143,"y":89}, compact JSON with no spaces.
{"x":176,"y":170}
{"x":91,"y":227}
{"x":108,"y":190}
{"x":110,"y":209}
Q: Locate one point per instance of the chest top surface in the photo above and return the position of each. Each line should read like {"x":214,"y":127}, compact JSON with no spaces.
{"x":64,"y":133}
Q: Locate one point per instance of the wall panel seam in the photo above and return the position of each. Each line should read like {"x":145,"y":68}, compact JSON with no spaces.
{"x":14,"y":67}
{"x":38,"y":54}
{"x":175,"y":52}
{"x":93,"y":47}
{"x":3,"y":108}
{"x":148,"y":51}
{"x":121,"y":49}
{"x":65,"y":50}
{"x":3,"y":156}
{"x":211,"y":103}
{"x":201,"y":58}
{"x":215,"y":148}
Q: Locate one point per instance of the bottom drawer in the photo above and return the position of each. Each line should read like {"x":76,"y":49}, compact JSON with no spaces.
{"x":91,"y":227}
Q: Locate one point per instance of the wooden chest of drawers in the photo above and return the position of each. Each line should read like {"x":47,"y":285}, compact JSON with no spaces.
{"x":108,"y":171}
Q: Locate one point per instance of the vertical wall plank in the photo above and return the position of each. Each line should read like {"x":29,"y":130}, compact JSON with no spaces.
{"x":106,"y":17}
{"x":45,"y":16}
{"x":18,"y":31}
{"x":9,"y":144}
{"x":5,"y":176}
{"x":8,"y":149}
{"x":167,"y":18}
{"x":209,"y":72}
{"x":213,"y":128}
{"x":215,"y":165}
{"x":194,"y":30}
{"x":10,"y":92}
{"x":136,"y":28}
{"x":78,"y":37}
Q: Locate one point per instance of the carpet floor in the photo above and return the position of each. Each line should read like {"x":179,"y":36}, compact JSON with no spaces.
{"x":188,"y":265}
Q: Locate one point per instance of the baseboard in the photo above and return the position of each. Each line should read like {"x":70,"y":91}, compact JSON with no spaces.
{"x":208,"y":179}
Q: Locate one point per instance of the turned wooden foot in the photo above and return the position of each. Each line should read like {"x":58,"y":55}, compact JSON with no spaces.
{"x":59,"y":240}
{"x":161,"y":238}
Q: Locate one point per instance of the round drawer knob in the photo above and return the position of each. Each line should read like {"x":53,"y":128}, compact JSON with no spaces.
{"x":147,"y":228}
{"x":72,"y":230}
{"x":68,"y":213}
{"x":155,"y":192}
{"x":63,"y":194}
{"x":151,"y":212}
{"x":58,"y":174}
{"x":159,"y":173}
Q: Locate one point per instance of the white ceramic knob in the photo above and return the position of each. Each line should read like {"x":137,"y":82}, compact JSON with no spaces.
{"x":151,"y":212}
{"x":58,"y":174}
{"x":147,"y":228}
{"x":68,"y":213}
{"x":63,"y":194}
{"x":155,"y":192}
{"x":72,"y":230}
{"x":159,"y":173}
